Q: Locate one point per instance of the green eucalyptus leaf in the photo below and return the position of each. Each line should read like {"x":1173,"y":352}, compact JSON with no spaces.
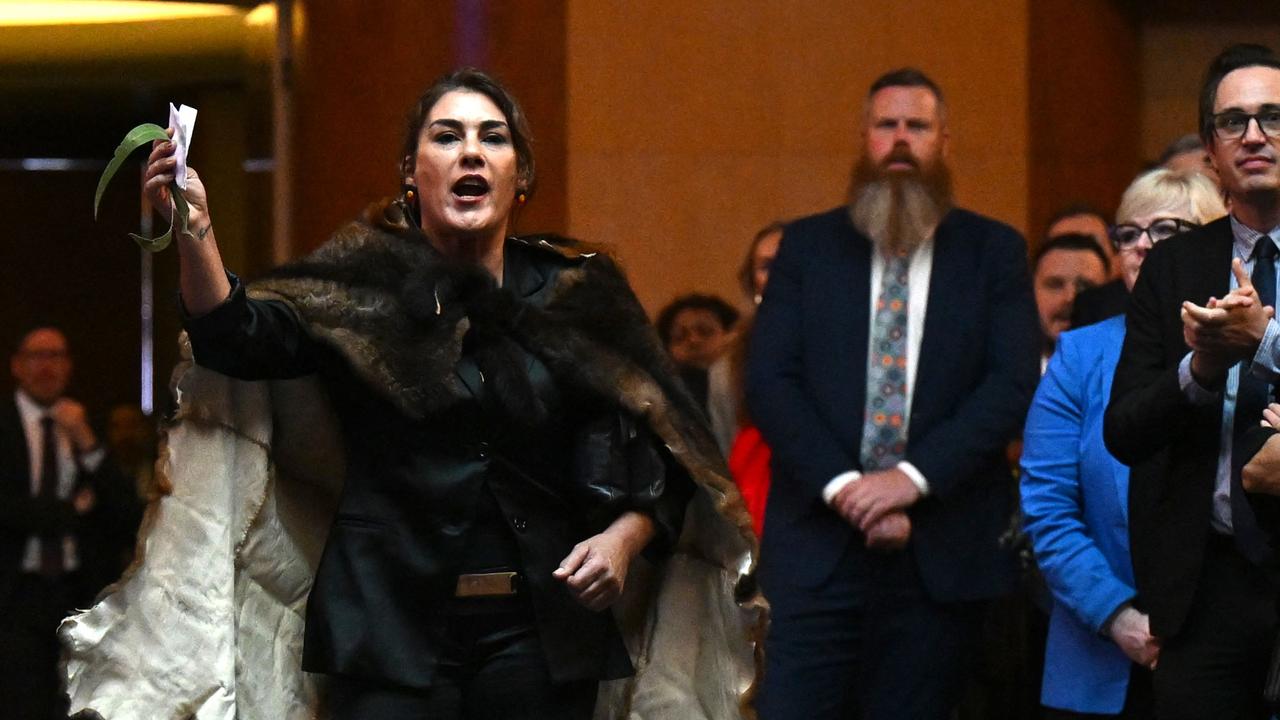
{"x":155,"y":244}
{"x":182,"y":211}
{"x":137,"y":137}
{"x":141,"y":135}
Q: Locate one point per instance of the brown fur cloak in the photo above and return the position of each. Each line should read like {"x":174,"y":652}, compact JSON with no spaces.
{"x":208,"y":621}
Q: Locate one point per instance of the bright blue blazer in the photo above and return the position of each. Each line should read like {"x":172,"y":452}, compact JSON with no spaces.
{"x":1075,"y":509}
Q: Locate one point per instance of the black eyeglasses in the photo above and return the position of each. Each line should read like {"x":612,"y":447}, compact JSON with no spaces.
{"x":1233,"y":124}
{"x":1127,"y":234}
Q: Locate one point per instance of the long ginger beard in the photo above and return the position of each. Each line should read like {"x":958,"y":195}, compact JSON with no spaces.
{"x":898,"y":210}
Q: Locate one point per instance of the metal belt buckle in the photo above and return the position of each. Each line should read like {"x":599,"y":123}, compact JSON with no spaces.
{"x":495,"y":584}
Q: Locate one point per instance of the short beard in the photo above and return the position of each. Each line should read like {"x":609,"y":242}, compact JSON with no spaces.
{"x":898,"y":210}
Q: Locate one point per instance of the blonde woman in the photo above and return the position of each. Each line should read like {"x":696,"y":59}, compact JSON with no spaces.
{"x":1100,"y":650}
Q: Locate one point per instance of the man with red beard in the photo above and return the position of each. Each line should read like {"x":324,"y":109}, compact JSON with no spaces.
{"x":893,"y":359}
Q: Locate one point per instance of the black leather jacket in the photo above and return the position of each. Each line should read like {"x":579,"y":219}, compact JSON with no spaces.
{"x":560,"y":463}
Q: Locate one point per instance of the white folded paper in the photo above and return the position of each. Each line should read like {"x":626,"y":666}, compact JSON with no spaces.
{"x":183,"y":120}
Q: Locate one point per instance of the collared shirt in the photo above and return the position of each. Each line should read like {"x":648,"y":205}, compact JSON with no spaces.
{"x":1265,"y":365}
{"x":919,"y":271}
{"x":31,"y":413}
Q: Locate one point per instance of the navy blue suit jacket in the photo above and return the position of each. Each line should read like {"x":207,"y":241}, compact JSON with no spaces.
{"x":976,"y":373}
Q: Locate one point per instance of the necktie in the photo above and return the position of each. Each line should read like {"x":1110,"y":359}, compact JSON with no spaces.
{"x":50,"y":543}
{"x":1251,"y":398}
{"x":884,"y":439}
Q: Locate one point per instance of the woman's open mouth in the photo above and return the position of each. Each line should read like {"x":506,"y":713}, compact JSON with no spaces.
{"x":470,"y":188}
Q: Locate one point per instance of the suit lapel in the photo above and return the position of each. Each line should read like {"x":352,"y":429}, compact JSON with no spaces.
{"x":520,"y":272}
{"x":527,"y":279}
{"x":469,"y":373}
{"x":860,"y":297}
{"x":946,"y":290}
{"x":1211,"y":276}
{"x":14,"y":453}
{"x":848,"y":328}
{"x":1107,"y":360}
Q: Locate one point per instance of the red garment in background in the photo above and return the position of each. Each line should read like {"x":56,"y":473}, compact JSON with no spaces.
{"x":749,"y":465}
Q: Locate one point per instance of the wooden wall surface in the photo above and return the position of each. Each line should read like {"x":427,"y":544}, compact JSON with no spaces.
{"x":1085,"y":101}
{"x":691,"y":125}
{"x":671,"y":130}
{"x":361,"y":66}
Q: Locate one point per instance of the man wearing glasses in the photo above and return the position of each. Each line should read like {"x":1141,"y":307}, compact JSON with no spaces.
{"x":1201,"y":352}
{"x":50,"y":464}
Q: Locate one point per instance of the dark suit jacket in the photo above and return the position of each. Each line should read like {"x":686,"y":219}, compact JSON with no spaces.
{"x":1170,"y":444}
{"x":1099,"y":303}
{"x":976,"y":374}
{"x":388,"y":571}
{"x":23,"y":515}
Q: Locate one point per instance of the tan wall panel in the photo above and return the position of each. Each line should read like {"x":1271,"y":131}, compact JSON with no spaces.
{"x":526,"y":48}
{"x":1174,"y":59}
{"x":362,"y":65}
{"x":693,"y":124}
{"x":1085,"y":95}
{"x":359,"y":67}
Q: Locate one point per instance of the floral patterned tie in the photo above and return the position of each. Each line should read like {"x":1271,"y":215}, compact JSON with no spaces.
{"x":884,"y":437}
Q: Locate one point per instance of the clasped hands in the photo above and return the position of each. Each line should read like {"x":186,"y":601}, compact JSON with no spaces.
{"x":1224,"y":332}
{"x":876,"y":504}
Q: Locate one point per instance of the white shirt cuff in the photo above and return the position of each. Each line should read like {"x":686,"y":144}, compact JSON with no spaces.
{"x":1266,"y":362}
{"x":916,"y":476}
{"x":837,"y":483}
{"x":1194,"y":391}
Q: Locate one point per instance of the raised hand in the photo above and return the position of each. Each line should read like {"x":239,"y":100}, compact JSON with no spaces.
{"x":159,"y":174}
{"x":70,"y":416}
{"x":1225,"y":331}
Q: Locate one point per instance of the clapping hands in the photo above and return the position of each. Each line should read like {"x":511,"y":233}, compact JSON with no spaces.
{"x":1226,"y":331}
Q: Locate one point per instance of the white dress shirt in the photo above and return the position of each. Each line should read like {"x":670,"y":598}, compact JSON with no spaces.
{"x":919,"y":270}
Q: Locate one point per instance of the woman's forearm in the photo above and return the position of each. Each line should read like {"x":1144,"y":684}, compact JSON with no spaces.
{"x":201,"y":276}
{"x":634,"y":529}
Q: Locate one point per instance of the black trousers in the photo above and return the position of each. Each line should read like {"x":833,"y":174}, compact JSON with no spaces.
{"x":30,"y":686}
{"x":492,"y":669}
{"x":1215,"y":666}
{"x":868,"y":644}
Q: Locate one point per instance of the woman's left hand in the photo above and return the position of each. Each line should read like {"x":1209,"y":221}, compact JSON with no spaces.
{"x":595,"y":571}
